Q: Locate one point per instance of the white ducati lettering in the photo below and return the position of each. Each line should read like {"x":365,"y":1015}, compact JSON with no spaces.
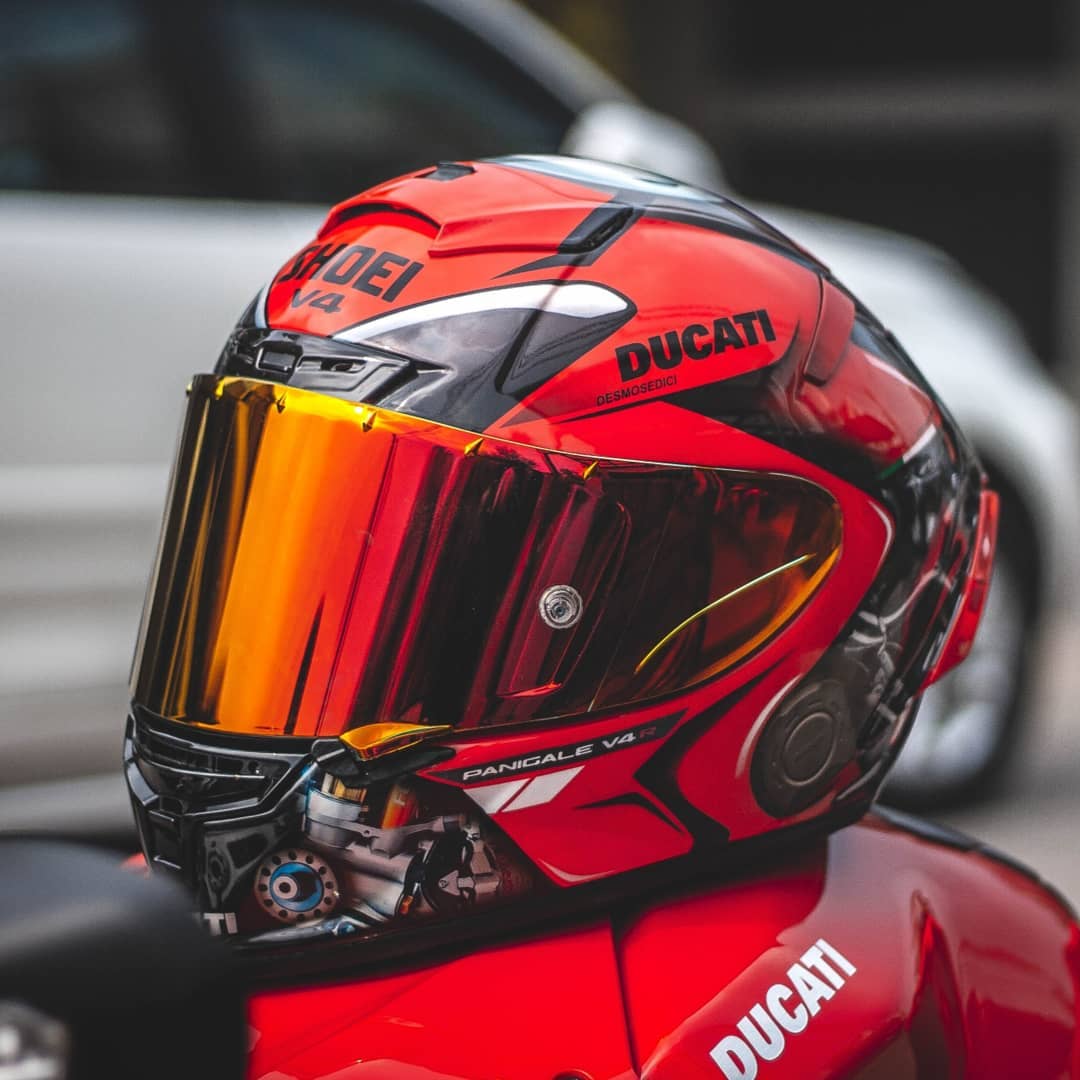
{"x":735,"y":1058}
{"x":813,"y":958}
{"x":845,"y":965}
{"x":762,"y":1028}
{"x":811,"y":989}
{"x":792,"y":1021}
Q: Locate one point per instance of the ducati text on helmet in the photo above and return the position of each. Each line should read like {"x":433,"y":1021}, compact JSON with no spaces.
{"x":542,"y":522}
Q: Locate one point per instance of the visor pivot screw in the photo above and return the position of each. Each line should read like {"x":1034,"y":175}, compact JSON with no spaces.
{"x":561,"y":606}
{"x":472,"y":448}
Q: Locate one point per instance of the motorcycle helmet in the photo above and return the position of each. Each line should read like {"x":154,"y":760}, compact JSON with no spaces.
{"x":544,"y":524}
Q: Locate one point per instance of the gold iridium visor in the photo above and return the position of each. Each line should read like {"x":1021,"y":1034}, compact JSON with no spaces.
{"x":325,"y":564}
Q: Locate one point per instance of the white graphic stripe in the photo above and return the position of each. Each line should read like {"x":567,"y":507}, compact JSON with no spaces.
{"x":920,"y":442}
{"x":887,"y":522}
{"x":578,"y":299}
{"x":491,"y":798}
{"x":543,"y":789}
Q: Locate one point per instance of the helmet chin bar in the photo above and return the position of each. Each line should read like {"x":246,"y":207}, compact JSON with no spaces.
{"x":318,"y":844}
{"x":381,"y":873}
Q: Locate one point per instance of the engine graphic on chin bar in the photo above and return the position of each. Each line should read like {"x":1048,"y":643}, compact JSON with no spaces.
{"x":294,"y":885}
{"x":365,"y":857}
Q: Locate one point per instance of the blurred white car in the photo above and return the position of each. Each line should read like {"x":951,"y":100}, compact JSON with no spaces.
{"x":157,"y":166}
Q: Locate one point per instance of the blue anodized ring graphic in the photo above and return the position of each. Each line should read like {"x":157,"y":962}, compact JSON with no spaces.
{"x":296,"y":887}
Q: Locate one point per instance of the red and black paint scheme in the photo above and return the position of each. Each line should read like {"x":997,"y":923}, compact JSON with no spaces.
{"x":627,"y":389}
{"x":886,"y":951}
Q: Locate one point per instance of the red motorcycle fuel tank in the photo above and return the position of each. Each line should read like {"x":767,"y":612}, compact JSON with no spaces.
{"x":890,"y":949}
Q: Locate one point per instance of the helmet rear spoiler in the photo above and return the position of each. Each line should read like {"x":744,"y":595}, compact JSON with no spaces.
{"x":965,"y":623}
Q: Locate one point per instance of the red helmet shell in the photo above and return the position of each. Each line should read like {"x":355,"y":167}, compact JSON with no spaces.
{"x":600,"y":312}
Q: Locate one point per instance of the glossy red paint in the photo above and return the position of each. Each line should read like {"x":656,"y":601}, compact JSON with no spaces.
{"x":541,"y":1008}
{"x":951,"y":964}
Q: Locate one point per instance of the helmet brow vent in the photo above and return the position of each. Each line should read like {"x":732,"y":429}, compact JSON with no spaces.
{"x":311,"y":363}
{"x":448,"y":170}
{"x":597,"y":228}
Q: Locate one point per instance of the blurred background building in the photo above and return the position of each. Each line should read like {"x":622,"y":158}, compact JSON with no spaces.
{"x":158,"y":162}
{"x":953,"y":126}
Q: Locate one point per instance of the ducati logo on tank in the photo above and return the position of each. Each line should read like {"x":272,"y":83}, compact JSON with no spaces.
{"x":787,"y":1009}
